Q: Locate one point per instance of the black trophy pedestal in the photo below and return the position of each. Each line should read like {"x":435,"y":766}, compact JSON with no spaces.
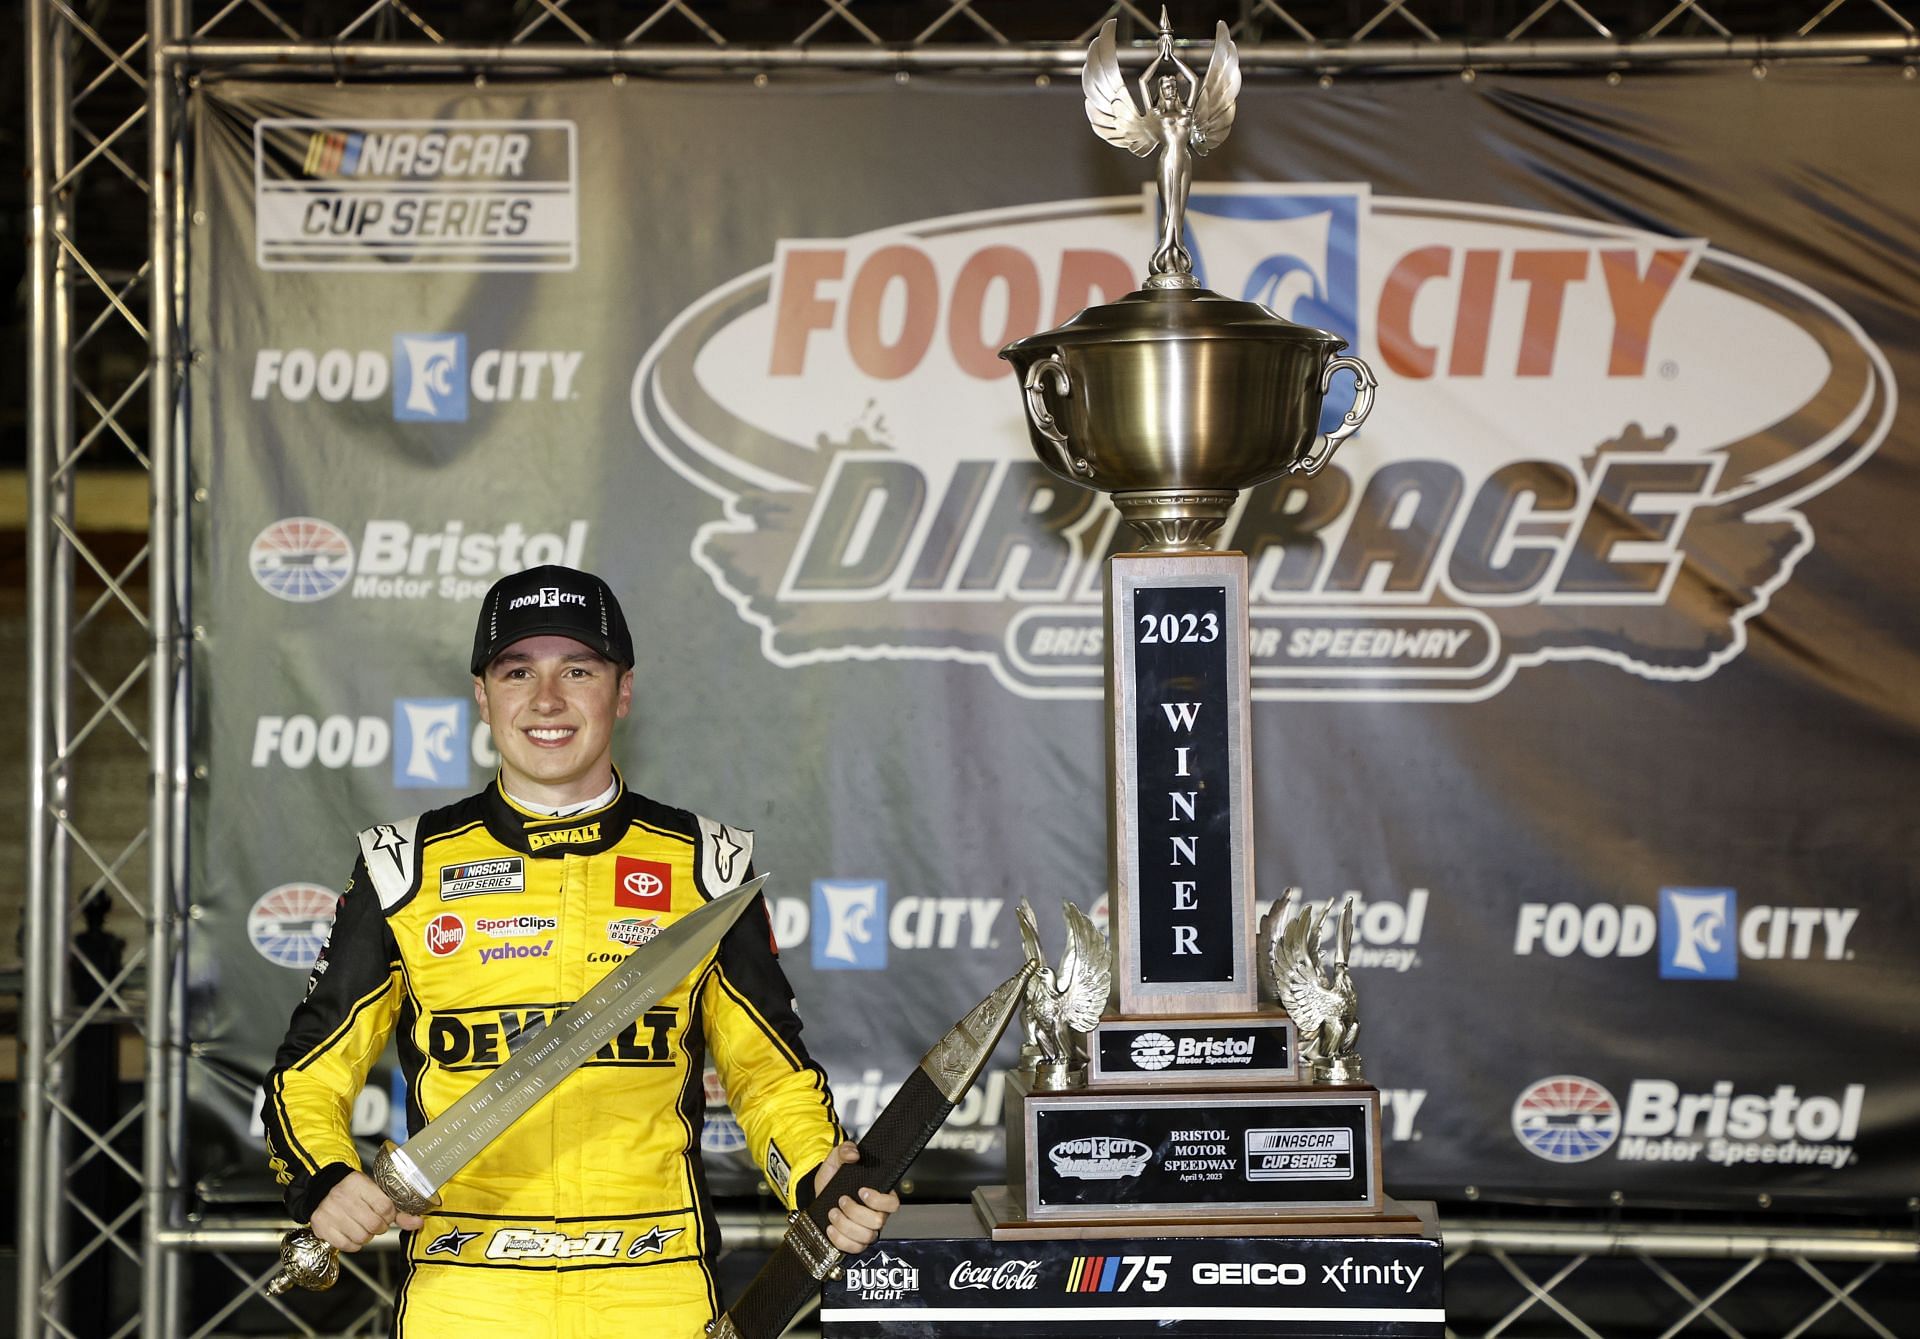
{"x":938,"y":1275}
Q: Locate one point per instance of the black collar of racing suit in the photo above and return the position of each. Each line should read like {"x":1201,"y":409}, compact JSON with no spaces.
{"x":541,"y":836}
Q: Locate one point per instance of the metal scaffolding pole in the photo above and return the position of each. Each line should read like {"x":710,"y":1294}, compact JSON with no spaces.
{"x":38,"y":940}
{"x":160,"y":1276}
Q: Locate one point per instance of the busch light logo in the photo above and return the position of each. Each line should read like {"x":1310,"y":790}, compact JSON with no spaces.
{"x":289,"y":925}
{"x":433,"y":750}
{"x":430,"y":378}
{"x":1696,"y":934}
{"x":1665,"y":406}
{"x":884,"y":1278}
{"x":852,"y":922}
{"x":1566,"y":1119}
{"x":301,"y":559}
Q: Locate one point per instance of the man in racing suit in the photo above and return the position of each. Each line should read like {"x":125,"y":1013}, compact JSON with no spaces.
{"x":464,"y":927}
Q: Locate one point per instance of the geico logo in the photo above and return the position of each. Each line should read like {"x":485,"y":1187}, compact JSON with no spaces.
{"x":912,"y":922}
{"x":469,"y":1041}
{"x":1657,"y":1108}
{"x":1599,"y":931}
{"x":1604,"y":930}
{"x":299,"y":742}
{"x":1244,"y":1273}
{"x":338,"y":375}
{"x":523,"y":1243}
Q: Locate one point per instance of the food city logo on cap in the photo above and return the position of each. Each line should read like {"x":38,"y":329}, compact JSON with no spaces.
{"x":1559,"y":531}
{"x":547,"y":597}
{"x":444,"y":934}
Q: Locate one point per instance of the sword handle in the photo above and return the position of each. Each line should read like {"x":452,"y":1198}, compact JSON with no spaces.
{"x":305,"y":1262}
{"x":310,"y":1263}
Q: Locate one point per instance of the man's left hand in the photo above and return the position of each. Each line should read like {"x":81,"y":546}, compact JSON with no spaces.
{"x":853,"y":1225}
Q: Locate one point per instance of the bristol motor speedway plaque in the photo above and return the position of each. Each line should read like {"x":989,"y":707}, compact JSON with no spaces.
{"x":1255,"y":1048}
{"x":1097,"y":1153}
{"x":936,"y":1275}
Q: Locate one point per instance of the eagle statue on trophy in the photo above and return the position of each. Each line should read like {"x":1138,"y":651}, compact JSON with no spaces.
{"x":1062,"y":1007}
{"x":1323,"y":1004}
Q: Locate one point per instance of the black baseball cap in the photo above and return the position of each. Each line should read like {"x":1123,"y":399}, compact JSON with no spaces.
{"x":551,"y":601}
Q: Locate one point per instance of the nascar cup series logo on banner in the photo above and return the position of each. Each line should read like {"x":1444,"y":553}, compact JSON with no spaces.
{"x":1591,"y":442}
{"x":442,"y":195}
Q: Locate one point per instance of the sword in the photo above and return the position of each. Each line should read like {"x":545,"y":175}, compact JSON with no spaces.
{"x":892,"y":1142}
{"x":412,"y":1173}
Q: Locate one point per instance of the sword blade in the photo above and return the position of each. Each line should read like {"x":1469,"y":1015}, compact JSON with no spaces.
{"x":453,"y":1138}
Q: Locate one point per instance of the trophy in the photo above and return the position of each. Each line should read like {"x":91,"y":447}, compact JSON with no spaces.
{"x":1169,"y":1089}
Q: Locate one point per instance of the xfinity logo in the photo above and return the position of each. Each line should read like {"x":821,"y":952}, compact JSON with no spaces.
{"x":430,"y":376}
{"x":433,"y":754}
{"x":1694,"y":929}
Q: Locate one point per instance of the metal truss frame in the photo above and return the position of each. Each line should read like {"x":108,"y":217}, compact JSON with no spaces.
{"x":106,"y":89}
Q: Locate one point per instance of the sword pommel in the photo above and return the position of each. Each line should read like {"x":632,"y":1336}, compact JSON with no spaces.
{"x":957,"y":1058}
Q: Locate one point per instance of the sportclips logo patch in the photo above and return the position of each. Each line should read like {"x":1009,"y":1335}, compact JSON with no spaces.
{"x":1590,"y":442}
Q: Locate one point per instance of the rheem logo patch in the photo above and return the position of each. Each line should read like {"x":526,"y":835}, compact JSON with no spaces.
{"x":645,"y":885}
{"x":445,"y":933}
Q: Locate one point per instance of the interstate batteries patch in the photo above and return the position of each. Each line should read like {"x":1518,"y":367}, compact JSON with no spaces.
{"x":507,"y":874}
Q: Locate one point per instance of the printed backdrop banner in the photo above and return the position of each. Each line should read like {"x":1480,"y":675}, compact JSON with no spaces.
{"x":1582,"y":664}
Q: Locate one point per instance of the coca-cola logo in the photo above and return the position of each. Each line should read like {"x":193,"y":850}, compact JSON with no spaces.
{"x":1006,"y":1276}
{"x":445,"y":933}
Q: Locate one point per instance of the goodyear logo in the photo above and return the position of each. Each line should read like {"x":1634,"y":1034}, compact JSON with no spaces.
{"x":1664,"y":412}
{"x":586,"y":832}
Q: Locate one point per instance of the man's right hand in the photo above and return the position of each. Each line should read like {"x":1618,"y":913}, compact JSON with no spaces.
{"x":355,"y":1212}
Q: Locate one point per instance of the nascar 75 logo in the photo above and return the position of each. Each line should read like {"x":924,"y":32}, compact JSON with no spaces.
{"x":1117,"y":1273}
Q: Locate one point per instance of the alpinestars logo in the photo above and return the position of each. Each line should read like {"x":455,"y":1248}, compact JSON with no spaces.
{"x":1666,"y":409}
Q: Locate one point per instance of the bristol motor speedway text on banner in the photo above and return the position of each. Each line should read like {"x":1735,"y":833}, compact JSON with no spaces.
{"x":1579,"y":663}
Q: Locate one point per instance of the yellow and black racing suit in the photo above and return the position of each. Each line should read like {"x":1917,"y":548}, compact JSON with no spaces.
{"x":465,"y":926}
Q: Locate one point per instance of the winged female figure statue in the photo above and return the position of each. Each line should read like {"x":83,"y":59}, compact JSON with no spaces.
{"x":1324,"y":1006}
{"x":1183,"y":116}
{"x":1061,"y":1007}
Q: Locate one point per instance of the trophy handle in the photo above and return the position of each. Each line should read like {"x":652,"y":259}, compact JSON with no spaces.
{"x":1363,"y":388}
{"x":1043,"y":419}
{"x":310,"y":1263}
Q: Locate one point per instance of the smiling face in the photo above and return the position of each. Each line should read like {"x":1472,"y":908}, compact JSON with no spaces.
{"x":552,"y":703}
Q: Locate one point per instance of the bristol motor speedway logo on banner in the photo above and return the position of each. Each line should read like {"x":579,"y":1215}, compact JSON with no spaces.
{"x":440,"y":195}
{"x":305,"y":559}
{"x":1572,"y":1119}
{"x":1590,"y":442}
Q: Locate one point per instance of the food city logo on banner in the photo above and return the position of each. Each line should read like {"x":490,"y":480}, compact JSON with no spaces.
{"x":430,"y":375}
{"x":306,"y":559}
{"x":419,"y":195}
{"x":1701,"y":933}
{"x":437,"y":748}
{"x":1591,"y":442}
{"x":1572,"y":1119}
